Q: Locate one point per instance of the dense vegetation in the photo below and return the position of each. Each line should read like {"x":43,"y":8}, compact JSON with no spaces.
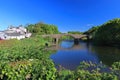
{"x":108,"y":33}
{"x":91,"y":71}
{"x":92,"y":31}
{"x":26,"y":60}
{"x":41,"y":28}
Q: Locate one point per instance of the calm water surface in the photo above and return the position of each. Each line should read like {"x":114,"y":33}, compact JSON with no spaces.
{"x":70,"y":55}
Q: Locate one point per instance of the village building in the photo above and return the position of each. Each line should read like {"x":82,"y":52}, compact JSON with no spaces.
{"x":14,"y":33}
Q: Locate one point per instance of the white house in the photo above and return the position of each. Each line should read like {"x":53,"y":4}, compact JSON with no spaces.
{"x":15,"y":32}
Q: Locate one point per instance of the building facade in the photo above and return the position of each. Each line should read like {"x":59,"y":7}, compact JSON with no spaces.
{"x":14,"y":33}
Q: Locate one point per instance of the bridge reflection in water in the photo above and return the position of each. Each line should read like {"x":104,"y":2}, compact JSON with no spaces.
{"x":72,"y":47}
{"x":69,"y":55}
{"x":58,"y":47}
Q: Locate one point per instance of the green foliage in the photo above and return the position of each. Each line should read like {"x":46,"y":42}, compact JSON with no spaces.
{"x":64,"y":75}
{"x":41,"y":28}
{"x":26,"y":60}
{"x":90,"y":71}
{"x":116,"y":66}
{"x":92,"y":30}
{"x":108,"y":33}
{"x":28,"y":69}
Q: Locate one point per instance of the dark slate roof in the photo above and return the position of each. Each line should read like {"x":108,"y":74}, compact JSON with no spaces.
{"x":5,"y":31}
{"x":13,"y":34}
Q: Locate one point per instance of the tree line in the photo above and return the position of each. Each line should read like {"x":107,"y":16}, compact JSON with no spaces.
{"x":41,"y":28}
{"x":107,"y":33}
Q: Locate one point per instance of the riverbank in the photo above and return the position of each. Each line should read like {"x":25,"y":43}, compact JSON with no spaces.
{"x":27,"y":59}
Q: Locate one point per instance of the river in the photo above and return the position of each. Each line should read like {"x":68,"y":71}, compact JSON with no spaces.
{"x":69,"y":55}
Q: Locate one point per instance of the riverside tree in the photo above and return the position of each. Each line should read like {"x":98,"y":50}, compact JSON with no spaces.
{"x":108,"y":33}
{"x":41,"y":28}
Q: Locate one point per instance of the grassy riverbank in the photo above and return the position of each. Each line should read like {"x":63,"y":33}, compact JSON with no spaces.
{"x":27,"y":59}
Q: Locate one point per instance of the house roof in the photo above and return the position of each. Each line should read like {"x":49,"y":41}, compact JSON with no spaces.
{"x":8,"y":31}
{"x":13,"y":34}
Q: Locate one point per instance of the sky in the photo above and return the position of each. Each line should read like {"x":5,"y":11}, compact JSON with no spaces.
{"x":68,"y":15}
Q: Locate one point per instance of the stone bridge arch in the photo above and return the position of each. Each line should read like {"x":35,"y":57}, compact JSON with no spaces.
{"x":76,"y":37}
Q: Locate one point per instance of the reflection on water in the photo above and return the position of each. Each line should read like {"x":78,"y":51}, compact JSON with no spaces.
{"x":108,"y":55}
{"x":69,"y":55}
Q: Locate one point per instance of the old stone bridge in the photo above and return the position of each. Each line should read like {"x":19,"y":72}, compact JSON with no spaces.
{"x":76,"y":37}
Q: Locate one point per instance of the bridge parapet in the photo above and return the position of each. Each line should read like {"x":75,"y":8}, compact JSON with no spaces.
{"x":56,"y":37}
{"x":76,"y":36}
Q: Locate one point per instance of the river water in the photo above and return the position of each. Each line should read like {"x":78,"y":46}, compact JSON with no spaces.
{"x":69,"y":55}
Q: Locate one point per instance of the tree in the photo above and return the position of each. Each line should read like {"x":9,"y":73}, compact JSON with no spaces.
{"x":41,"y":28}
{"x":108,"y":33}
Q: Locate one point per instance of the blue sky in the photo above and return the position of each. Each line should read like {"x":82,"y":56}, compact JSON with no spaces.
{"x":68,"y":15}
